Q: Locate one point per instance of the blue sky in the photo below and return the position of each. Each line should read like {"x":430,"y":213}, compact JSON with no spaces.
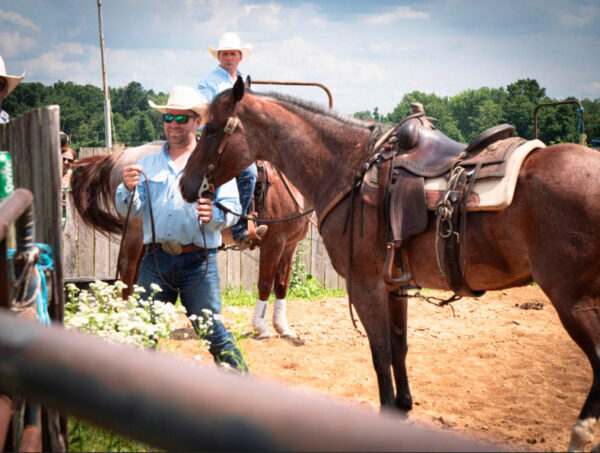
{"x":369,"y":54}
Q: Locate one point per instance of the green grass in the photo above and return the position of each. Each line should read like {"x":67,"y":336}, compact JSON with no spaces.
{"x":84,"y":436}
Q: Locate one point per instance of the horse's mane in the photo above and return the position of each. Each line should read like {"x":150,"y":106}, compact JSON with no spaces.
{"x":92,"y":194}
{"x":376,"y":129}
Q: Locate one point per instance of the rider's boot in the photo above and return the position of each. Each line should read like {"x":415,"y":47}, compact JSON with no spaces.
{"x":259,"y":320}
{"x":280,"y":320}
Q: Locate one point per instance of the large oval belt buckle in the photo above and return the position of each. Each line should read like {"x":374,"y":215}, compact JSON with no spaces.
{"x":172,"y":248}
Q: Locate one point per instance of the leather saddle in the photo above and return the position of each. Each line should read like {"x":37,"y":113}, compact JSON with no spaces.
{"x":402,"y":159}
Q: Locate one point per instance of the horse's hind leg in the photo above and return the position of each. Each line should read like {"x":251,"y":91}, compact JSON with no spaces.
{"x":282,"y":280}
{"x":398,"y":312}
{"x":270,"y":254}
{"x":582,"y":322}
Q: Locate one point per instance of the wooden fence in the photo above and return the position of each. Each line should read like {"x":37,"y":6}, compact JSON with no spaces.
{"x":89,"y":253}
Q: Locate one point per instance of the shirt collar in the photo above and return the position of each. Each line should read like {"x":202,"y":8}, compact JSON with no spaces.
{"x":165,"y":150}
{"x":223,"y":72}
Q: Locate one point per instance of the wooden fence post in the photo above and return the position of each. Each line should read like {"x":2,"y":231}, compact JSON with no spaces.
{"x":34,"y":144}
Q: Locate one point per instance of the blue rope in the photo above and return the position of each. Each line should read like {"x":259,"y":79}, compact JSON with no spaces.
{"x":45,"y":262}
{"x":580,"y":125}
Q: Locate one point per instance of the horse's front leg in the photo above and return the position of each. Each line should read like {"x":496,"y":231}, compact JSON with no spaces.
{"x":398,"y":311}
{"x":371,"y":306}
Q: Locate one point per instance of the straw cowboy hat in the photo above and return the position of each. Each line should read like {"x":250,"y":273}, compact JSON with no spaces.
{"x":183,"y":98}
{"x":13,"y":81}
{"x":231,"y":41}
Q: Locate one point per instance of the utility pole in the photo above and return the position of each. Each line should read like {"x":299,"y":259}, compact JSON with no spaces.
{"x":107,"y":128}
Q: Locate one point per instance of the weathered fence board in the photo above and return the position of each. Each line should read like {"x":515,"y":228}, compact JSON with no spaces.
{"x":34,"y":145}
{"x":89,"y":253}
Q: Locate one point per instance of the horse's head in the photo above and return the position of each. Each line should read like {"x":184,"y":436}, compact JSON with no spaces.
{"x":222,"y":151}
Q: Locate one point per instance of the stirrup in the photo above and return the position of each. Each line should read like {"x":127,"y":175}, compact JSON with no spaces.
{"x":388,"y":269}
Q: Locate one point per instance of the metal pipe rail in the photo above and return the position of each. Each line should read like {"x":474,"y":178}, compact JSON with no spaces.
{"x":176,"y":405}
{"x":292,"y":82}
{"x":548,"y":104}
{"x":11,"y":209}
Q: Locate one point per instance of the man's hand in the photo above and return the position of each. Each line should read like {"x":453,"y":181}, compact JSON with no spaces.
{"x":204,"y":209}
{"x":131,"y":176}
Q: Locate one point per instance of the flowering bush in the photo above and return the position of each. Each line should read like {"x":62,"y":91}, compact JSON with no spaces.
{"x":134,"y":321}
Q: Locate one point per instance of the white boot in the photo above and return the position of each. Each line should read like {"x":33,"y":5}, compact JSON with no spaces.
{"x":280,"y":321}
{"x":259,"y":320}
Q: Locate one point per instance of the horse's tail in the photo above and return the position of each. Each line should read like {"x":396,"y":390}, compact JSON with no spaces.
{"x":92,"y":194}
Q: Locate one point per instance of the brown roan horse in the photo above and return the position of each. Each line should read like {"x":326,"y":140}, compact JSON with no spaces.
{"x":549,"y":234}
{"x":94,"y":183}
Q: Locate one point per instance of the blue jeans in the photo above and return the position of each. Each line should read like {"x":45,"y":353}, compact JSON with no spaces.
{"x":183,"y":272}
{"x":246,"y":181}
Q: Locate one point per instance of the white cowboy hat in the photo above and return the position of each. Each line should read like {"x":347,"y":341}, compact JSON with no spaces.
{"x":13,"y":81}
{"x":183,"y":98}
{"x":231,"y":41}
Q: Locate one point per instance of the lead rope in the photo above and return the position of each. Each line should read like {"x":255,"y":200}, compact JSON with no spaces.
{"x":200,"y":225}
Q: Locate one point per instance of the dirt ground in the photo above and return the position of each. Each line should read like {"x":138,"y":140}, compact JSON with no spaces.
{"x":493,"y":368}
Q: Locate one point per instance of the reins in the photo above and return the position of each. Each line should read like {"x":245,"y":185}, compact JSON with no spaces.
{"x":200,"y":225}
{"x":253,"y":219}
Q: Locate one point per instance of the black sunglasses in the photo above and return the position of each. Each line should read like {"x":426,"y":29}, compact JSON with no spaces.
{"x":3,"y":85}
{"x":181,"y":119}
{"x":67,"y":160}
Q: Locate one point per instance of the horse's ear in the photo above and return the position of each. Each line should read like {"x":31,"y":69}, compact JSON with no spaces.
{"x":238,"y":90}
{"x":248,"y":83}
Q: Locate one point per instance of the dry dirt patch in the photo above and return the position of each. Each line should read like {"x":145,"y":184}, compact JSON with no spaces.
{"x":501,"y":366}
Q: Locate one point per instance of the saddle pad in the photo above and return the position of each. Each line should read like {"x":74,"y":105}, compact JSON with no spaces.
{"x":490,"y":194}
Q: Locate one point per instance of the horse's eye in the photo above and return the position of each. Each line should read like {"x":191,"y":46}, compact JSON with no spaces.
{"x":209,"y":129}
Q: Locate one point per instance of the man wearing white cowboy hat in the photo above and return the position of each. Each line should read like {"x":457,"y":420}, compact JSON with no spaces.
{"x":229,"y":54}
{"x":7,"y":84}
{"x":181,"y":259}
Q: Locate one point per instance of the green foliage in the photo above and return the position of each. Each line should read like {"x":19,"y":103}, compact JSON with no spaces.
{"x":84,"y":436}
{"x":82,"y":111}
{"x":303,"y":285}
{"x":461,"y":117}
{"x":239,"y":297}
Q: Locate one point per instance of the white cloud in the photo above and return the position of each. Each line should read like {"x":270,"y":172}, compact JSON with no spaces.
{"x":13,"y":44}
{"x":17,"y":19}
{"x":398,"y":13}
{"x":54,"y":65}
{"x":579,"y":16}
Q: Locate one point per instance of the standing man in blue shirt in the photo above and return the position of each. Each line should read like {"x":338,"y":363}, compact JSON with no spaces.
{"x":7,"y":84}
{"x":230,"y":53}
{"x":183,"y":260}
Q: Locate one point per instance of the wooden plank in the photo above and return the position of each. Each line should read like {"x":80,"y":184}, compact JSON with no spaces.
{"x":222,"y":267}
{"x":85,"y":251}
{"x":34,"y":144}
{"x":317,"y":263}
{"x":234,"y":268}
{"x":249,"y":269}
{"x":113,"y":253}
{"x":70,"y":240}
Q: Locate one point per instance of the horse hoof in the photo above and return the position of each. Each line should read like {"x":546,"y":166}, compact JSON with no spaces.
{"x":288,"y":333}
{"x":265,"y":335}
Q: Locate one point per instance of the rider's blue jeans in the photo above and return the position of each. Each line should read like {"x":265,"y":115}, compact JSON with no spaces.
{"x":182,"y":273}
{"x":246,"y":181}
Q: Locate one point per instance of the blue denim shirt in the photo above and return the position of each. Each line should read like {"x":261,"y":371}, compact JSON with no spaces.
{"x":215,"y":82}
{"x":174,"y":218}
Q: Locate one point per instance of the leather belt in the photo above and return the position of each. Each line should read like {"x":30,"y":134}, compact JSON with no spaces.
{"x":174,"y":248}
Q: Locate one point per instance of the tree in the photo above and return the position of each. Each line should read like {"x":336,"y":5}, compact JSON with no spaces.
{"x":518,"y":106}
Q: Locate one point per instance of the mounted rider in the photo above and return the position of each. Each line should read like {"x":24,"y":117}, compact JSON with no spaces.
{"x":230,"y":53}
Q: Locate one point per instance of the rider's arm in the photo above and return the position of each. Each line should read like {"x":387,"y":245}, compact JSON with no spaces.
{"x":228,"y":196}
